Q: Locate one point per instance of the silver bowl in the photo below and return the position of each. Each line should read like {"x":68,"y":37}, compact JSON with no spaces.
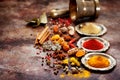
{"x":110,"y":58}
{"x":101,"y":26}
{"x":105,"y":43}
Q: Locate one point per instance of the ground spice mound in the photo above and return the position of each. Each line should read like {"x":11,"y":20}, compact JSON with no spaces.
{"x":98,"y":61}
{"x":90,"y":28}
{"x":93,"y":44}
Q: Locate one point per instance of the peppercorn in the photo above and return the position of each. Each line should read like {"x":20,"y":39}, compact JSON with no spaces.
{"x":41,"y":64}
{"x":56,"y":72}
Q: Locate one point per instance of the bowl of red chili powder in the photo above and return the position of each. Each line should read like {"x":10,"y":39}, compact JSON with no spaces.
{"x":93,"y":44}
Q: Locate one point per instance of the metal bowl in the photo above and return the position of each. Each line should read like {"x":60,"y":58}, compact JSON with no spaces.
{"x":89,"y":55}
{"x":101,"y":26}
{"x":105,"y":43}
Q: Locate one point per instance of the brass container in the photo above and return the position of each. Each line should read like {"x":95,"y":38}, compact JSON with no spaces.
{"x":83,"y":8}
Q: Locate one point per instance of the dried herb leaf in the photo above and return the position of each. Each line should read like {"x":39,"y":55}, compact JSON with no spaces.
{"x":35,"y":22}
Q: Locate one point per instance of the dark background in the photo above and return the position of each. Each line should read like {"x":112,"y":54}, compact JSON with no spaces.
{"x":17,"y":50}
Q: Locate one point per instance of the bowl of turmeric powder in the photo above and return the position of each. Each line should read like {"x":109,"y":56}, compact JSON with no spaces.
{"x":98,"y":61}
{"x":91,"y":29}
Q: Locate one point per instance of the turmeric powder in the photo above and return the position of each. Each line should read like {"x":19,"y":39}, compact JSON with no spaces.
{"x":82,"y":74}
{"x":98,"y":61}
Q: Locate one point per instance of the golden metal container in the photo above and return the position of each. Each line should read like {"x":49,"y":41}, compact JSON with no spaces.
{"x":54,"y":13}
{"x":83,"y":8}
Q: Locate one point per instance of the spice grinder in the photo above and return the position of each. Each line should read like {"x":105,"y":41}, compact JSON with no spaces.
{"x":78,"y":9}
{"x":83,"y":8}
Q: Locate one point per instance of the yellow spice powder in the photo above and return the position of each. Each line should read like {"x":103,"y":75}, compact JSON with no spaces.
{"x":62,"y":75}
{"x":82,"y":74}
{"x":98,"y":61}
{"x":90,"y":28}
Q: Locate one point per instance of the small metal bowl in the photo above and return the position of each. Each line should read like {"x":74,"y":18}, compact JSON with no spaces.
{"x":89,"y":55}
{"x":101,"y":26}
{"x":105,"y":43}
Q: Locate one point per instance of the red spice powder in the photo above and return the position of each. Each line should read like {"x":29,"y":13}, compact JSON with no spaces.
{"x":93,"y":44}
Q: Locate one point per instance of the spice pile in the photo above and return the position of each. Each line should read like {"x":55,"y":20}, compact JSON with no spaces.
{"x":61,"y":55}
{"x":90,"y":28}
{"x":61,"y":52}
{"x":93,"y":44}
{"x":98,"y":61}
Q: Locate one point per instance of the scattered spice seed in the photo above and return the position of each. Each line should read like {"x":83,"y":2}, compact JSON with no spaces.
{"x":56,"y":72}
{"x":47,"y":69}
{"x":54,"y":69}
{"x":40,"y":51}
{"x":37,"y":53}
{"x":41,"y":64}
{"x":42,"y":57}
{"x":47,"y":54}
{"x":48,"y":62}
{"x":51,"y":66}
{"x":30,"y":34}
{"x":66,"y":72}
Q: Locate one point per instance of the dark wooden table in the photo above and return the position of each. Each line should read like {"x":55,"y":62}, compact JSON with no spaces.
{"x":17,"y":50}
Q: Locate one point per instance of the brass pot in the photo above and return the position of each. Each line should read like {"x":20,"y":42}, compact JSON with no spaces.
{"x":83,"y":8}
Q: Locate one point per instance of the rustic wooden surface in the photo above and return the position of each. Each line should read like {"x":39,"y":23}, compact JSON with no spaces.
{"x":17,"y":50}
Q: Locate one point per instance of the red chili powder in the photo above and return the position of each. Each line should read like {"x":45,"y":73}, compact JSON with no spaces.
{"x":93,"y":44}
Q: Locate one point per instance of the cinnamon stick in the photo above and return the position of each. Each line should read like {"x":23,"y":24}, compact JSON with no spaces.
{"x":44,"y":38}
{"x":41,"y":35}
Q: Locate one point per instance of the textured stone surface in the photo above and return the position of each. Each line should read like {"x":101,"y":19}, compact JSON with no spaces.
{"x":17,"y":50}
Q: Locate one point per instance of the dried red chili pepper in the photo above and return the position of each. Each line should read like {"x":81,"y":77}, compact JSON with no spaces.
{"x":70,"y":21}
{"x":67,"y":22}
{"x":47,"y":57}
{"x":72,"y":41}
{"x":54,"y":55}
{"x":60,"y":20}
{"x":72,"y":45}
